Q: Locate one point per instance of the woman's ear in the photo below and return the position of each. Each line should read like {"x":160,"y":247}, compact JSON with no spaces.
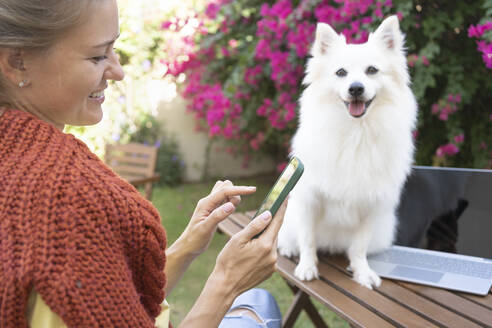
{"x":12,"y":65}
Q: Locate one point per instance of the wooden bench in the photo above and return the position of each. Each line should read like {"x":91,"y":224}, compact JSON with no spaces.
{"x":135,"y":163}
{"x":393,"y":304}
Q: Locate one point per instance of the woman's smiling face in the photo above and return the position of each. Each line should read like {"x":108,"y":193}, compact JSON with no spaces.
{"x":67,"y":82}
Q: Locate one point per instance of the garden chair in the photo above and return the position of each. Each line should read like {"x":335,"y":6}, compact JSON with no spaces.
{"x":135,"y":163}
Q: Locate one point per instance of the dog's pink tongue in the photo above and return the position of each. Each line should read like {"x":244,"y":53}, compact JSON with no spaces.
{"x":356,"y":108}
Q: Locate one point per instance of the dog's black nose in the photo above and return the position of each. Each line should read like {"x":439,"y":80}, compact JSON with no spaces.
{"x":356,"y":89}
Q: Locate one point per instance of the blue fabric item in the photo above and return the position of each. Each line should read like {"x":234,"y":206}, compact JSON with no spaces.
{"x":260,"y":302}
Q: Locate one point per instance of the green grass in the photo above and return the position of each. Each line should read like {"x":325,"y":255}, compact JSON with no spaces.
{"x":176,"y":205}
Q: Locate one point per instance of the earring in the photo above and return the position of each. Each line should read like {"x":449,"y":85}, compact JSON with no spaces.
{"x":23,"y":83}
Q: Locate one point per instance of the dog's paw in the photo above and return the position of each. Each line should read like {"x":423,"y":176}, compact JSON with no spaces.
{"x":367,"y":278}
{"x":287,"y":251}
{"x":306,"y":271}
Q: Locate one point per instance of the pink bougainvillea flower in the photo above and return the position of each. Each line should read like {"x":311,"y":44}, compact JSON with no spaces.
{"x":263,"y":49}
{"x":448,"y":149}
{"x":281,"y":166}
{"x":265,"y":10}
{"x":367,"y":20}
{"x":483,"y":46}
{"x":478,"y":30}
{"x":281,"y":9}
{"x":165,"y":25}
{"x":411,"y":59}
{"x":225,"y":52}
{"x":486,"y":49}
{"x":254,"y":144}
{"x":379,"y":13}
{"x":460,"y":138}
{"x":212,"y":10}
{"x":264,"y":108}
{"x":252,"y":74}
{"x":435,"y":109}
{"x":214,"y":130}
{"x":233,"y":43}
{"x":443,"y":115}
{"x":228,"y":132}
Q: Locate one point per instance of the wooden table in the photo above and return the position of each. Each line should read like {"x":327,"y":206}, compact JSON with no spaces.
{"x":393,"y":304}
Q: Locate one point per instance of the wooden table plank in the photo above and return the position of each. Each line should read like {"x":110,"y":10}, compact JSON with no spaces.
{"x":484,"y":301}
{"x":409,"y":299}
{"x":229,"y":227}
{"x":344,"y":306}
{"x":241,"y":218}
{"x":424,"y":307}
{"x":453,"y":302}
{"x":374,"y":301}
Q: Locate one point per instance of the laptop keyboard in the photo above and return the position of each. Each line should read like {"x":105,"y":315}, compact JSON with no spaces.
{"x":433,"y":262}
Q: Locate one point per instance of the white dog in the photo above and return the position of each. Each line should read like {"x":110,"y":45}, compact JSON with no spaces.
{"x":355,"y":139}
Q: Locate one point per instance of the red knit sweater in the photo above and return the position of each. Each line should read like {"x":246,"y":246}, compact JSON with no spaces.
{"x":70,"y":228}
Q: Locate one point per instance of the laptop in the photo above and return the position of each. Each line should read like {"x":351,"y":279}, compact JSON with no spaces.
{"x":440,"y":269}
{"x":444,"y":235}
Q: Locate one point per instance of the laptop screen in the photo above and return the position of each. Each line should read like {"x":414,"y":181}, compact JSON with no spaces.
{"x":447,"y":209}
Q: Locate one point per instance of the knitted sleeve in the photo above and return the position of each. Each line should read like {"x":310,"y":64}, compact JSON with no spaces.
{"x":103,"y":263}
{"x":84,"y":239}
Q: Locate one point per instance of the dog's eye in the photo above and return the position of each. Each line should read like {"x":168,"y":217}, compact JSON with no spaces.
{"x":371,"y":70}
{"x":341,"y":72}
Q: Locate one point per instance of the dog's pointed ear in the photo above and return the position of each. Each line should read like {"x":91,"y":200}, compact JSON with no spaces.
{"x":389,"y":34}
{"x":326,"y":37}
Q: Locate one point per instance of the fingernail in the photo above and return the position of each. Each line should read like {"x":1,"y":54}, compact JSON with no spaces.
{"x":265,"y":215}
{"x":252,"y":187}
{"x":228,"y":207}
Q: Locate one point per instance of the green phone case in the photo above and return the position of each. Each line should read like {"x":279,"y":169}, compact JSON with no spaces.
{"x":299,"y":169}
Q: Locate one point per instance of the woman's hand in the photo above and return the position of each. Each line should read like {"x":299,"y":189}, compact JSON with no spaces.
{"x":209,"y":212}
{"x":245,"y":262}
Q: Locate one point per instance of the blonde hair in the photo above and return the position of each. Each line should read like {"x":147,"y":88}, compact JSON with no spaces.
{"x":36,"y":25}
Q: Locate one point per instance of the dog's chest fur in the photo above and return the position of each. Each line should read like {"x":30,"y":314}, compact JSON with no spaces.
{"x":354,"y":160}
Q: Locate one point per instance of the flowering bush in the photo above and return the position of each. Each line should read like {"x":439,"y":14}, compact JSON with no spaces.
{"x":243,"y":62}
{"x":484,"y":46}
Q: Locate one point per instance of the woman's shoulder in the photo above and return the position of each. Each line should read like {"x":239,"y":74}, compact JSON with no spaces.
{"x":35,"y":145}
{"x":34,"y":153}
{"x":31,"y":141}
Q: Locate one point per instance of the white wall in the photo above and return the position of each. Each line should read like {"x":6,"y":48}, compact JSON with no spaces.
{"x":192,"y":145}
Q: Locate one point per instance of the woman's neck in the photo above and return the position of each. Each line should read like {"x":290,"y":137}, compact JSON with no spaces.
{"x":60,"y":127}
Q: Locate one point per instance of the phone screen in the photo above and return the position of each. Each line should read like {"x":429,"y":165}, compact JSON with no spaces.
{"x":279,"y":186}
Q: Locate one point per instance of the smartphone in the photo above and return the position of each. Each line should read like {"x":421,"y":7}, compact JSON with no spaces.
{"x":284,"y":184}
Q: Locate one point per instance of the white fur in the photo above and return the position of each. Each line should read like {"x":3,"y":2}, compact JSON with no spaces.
{"x":354,"y":167}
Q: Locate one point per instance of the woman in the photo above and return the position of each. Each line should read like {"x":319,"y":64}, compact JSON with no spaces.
{"x":79,"y":247}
